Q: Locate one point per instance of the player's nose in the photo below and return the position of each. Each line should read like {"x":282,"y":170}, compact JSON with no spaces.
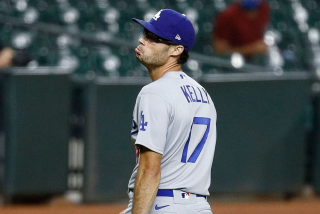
{"x":142,"y":40}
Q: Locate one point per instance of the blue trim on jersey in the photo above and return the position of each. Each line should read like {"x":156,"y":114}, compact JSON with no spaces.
{"x":185,"y":149}
{"x":165,"y":192}
{"x":169,"y":193}
{"x":196,"y":153}
{"x":135,"y":132}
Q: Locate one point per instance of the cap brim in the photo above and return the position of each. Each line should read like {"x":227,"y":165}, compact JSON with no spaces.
{"x":150,"y":27}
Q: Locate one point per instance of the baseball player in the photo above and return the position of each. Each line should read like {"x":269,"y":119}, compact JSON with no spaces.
{"x":174,"y":124}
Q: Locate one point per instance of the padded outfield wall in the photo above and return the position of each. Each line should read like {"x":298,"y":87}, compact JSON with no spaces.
{"x":261,"y":145}
{"x":261,"y":134}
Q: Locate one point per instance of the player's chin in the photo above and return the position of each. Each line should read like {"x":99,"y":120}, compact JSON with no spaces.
{"x":139,"y":57}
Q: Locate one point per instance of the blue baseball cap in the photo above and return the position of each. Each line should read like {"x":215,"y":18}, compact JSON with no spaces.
{"x":171,"y":25}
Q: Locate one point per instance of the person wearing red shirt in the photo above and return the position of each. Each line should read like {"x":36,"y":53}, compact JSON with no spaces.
{"x":240,"y":28}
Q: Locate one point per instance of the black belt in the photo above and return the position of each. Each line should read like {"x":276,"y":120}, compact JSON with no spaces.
{"x":168,"y":193}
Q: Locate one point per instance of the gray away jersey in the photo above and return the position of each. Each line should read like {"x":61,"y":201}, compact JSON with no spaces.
{"x":175,"y":116}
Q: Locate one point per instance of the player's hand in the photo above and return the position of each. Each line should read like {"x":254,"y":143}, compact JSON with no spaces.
{"x":122,"y":212}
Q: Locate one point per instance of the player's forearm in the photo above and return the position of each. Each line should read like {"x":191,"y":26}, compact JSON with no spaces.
{"x":223,"y":47}
{"x":258,"y":47}
{"x":145,"y":191}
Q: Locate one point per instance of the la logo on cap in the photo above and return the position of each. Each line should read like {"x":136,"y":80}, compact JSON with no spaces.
{"x":157,"y":16}
{"x":171,"y":25}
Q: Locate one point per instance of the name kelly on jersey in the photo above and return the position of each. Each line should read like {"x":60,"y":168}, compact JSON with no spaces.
{"x":195,"y":94}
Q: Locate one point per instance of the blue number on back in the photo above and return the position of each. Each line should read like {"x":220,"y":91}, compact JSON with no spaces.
{"x":194,"y":156}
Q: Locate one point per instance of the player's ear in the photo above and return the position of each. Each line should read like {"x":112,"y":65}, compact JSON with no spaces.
{"x":177,"y":50}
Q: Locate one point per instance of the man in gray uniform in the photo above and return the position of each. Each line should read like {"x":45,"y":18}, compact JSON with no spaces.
{"x":174,"y":124}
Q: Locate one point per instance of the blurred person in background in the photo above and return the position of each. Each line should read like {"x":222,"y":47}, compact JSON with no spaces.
{"x":240,"y":28}
{"x":10,"y":57}
{"x":6,"y":56}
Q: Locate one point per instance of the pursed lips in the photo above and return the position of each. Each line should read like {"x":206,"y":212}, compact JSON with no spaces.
{"x":138,"y":50}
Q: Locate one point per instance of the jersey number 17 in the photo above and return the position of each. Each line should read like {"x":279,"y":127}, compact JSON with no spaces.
{"x":195,"y":154}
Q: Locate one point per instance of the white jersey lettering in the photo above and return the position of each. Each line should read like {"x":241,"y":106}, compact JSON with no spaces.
{"x":194,"y":95}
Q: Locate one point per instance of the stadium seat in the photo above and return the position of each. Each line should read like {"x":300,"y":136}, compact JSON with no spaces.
{"x":6,"y":8}
{"x":99,"y":61}
{"x":89,"y":18}
{"x":312,"y":7}
{"x":100,"y":17}
{"x":44,"y":49}
{"x":291,"y":47}
{"x":47,"y":10}
{"x":281,"y":12}
{"x":5,"y":33}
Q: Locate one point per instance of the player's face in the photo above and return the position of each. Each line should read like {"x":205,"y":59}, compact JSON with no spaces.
{"x":153,"y":50}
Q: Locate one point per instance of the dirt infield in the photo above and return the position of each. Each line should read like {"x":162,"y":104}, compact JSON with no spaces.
{"x":310,"y":206}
